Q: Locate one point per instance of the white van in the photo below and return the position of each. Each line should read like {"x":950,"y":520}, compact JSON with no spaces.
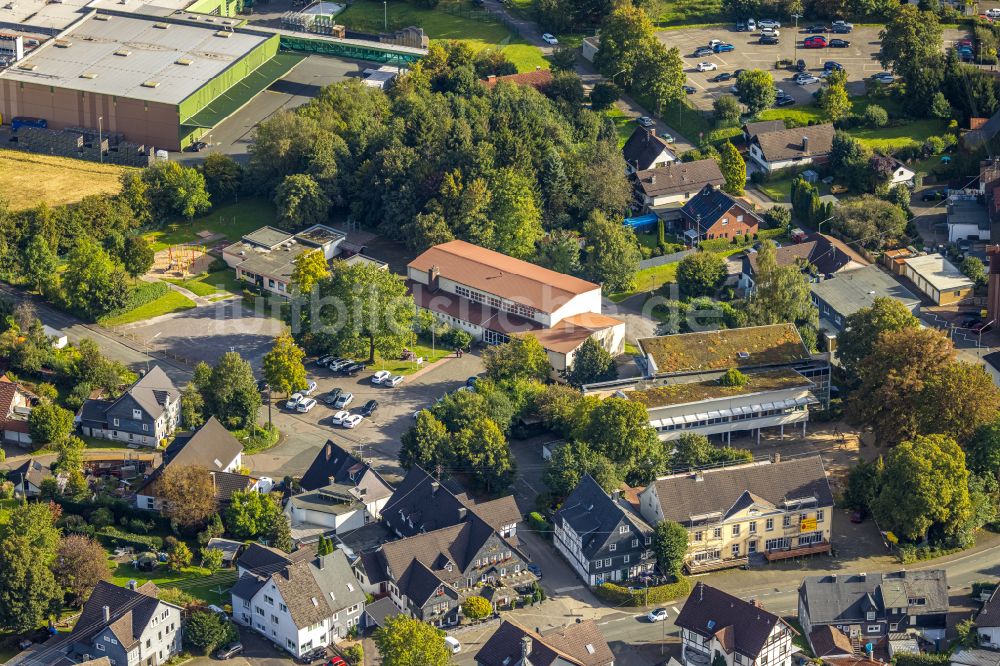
{"x":453,"y":644}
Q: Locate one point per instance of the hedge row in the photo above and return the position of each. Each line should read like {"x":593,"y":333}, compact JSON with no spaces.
{"x":120,"y":509}
{"x":142,"y":293}
{"x":617,"y":595}
{"x":115,"y":537}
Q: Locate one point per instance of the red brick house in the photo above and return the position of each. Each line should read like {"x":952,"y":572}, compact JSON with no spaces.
{"x":712,"y":214}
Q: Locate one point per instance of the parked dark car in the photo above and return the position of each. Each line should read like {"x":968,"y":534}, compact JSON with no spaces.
{"x":816,"y":28}
{"x":229,"y":651}
{"x":535,"y":569}
{"x":737,"y":72}
{"x":196,"y":147}
{"x":741,"y":26}
{"x":332,"y":396}
{"x":786,"y":100}
{"x":471,"y":381}
{"x":689,"y":90}
{"x":262,"y":385}
{"x":800,"y":66}
{"x":702,"y":51}
{"x":768,"y":39}
{"x":838,"y":44}
{"x":312,"y":656}
{"x":933,"y":195}
{"x":832,"y":66}
{"x":352,"y":369}
{"x":724,"y":76}
{"x":368,"y":408}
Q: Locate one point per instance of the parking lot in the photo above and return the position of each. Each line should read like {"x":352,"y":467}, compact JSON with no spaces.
{"x":859,"y":59}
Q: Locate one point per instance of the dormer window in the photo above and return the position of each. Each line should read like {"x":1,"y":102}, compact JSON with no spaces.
{"x":871,"y":616}
{"x":136,"y":414}
{"x":623,"y":529}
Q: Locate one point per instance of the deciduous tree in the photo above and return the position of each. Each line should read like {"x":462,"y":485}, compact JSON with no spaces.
{"x":251,"y":514}
{"x":80,"y":564}
{"x":425,"y":444}
{"x":206,"y":630}
{"x":863,"y":328}
{"x":301,"y":202}
{"x":283,"y":367}
{"x":521,"y":357}
{"x":515,"y":212}
{"x":309,"y":269}
{"x":591,"y":363}
{"x":781,"y":294}
{"x":574,"y":459}
{"x":50,"y":423}
{"x":29,"y":591}
{"x":231,"y":393}
{"x":755,"y":88}
{"x":700,"y":274}
{"x":223,"y":176}
{"x":733,"y":168}
{"x":619,"y":429}
{"x":477,"y":608}
{"x":188,"y":495}
{"x":925,"y":484}
{"x":492,"y":465}
{"x":612,"y":253}
{"x":670,"y":542}
{"x":406,"y":641}
{"x":173,"y":189}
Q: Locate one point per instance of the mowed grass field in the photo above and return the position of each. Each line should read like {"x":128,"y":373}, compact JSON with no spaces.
{"x":469,"y":24}
{"x":27,"y":180}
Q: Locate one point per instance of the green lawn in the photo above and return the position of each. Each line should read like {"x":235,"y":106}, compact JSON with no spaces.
{"x":891,"y":139}
{"x":686,"y":12}
{"x":451,"y":19}
{"x":196,"y":581}
{"x":398,"y":367}
{"x":799,"y":114}
{"x":210,"y":284}
{"x":649,"y":279}
{"x":169,"y":302}
{"x":623,"y":123}
{"x":234,"y":220}
{"x":781,"y":190}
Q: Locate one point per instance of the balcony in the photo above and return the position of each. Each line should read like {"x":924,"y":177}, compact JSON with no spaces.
{"x":694,"y":567}
{"x":693,"y":657}
{"x":799,"y":551}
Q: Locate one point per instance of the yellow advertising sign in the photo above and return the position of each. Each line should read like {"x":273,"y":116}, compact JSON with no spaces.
{"x":807,"y":525}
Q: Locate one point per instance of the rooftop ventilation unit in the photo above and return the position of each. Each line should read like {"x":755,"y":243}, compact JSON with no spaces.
{"x":89,"y":75}
{"x":62,"y":44}
{"x":150,"y":84}
{"x":160,"y":26}
{"x":183,"y":61}
{"x":223,"y":33}
{"x":124,"y":53}
{"x":102,"y":17}
{"x":28,"y":66}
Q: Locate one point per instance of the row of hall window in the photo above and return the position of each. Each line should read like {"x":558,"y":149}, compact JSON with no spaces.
{"x":752,"y":525}
{"x":729,"y":419}
{"x":494,"y":302}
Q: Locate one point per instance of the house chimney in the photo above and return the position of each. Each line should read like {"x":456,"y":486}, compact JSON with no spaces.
{"x":107,"y":613}
{"x":462,"y":513}
{"x":805,"y":144}
{"x":434,"y":486}
{"x":491,"y":78}
{"x":525,"y":648}
{"x":132,"y":585}
{"x":321,"y":562}
{"x":433,"y":275}
{"x":652,"y":179}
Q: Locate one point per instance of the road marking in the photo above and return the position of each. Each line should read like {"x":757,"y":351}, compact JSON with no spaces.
{"x":674,"y":608}
{"x":563,"y":590}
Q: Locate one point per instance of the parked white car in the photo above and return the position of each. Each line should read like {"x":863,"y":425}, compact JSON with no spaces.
{"x":707,"y":66}
{"x":353,"y":420}
{"x":393,"y":381}
{"x":309,"y":389}
{"x":713,"y":42}
{"x":770,"y":32}
{"x":549,"y":39}
{"x":294,"y":400}
{"x":884,"y":77}
{"x":768,"y":23}
{"x":993,"y":13}
{"x":380,"y":376}
{"x":657,"y":615}
{"x":339,"y":417}
{"x":306,"y":405}
{"x":344,"y":400}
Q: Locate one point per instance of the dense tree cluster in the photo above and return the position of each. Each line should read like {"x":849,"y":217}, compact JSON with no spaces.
{"x":227,"y":391}
{"x":442,"y":156}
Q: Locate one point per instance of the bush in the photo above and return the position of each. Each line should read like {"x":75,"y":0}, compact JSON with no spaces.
{"x":102,"y":517}
{"x":778,"y":217}
{"x":876,"y":116}
{"x":354,"y":654}
{"x":477,"y":608}
{"x":539,"y":524}
{"x":604,"y":95}
{"x":616,"y":595}
{"x":934,"y":145}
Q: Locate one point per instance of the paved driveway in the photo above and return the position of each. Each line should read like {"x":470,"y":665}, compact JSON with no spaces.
{"x":859,"y":59}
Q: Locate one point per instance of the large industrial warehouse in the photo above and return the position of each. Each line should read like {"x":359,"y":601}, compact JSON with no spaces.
{"x":149,"y":79}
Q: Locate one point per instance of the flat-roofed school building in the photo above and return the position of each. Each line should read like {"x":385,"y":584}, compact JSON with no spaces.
{"x":151,"y":79}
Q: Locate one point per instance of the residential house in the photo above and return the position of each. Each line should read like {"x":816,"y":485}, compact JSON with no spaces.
{"x":769,"y":510}
{"x":937,"y":278}
{"x":817,"y":255}
{"x":712,"y":214}
{"x":750,"y":130}
{"x":145,"y":414}
{"x":28,"y":475}
{"x":899,"y":173}
{"x":539,"y":79}
{"x":128,"y":625}
{"x":665,"y":189}
{"x":421,"y":504}
{"x":846,"y":293}
{"x":300,"y":602}
{"x":493,"y":296}
{"x":578,"y":644}
{"x":601,"y":536}
{"x":974,"y":657}
{"x":828,"y":641}
{"x":341,"y":494}
{"x":682,"y":389}
{"x":428,"y":575}
{"x":988,"y":622}
{"x":877,"y":608}
{"x":15,"y":407}
{"x":644,"y":150}
{"x":211,"y":447}
{"x":967,"y":219}
{"x":378,"y":612}
{"x":266,"y":257}
{"x":714,"y":623}
{"x":796,"y":147}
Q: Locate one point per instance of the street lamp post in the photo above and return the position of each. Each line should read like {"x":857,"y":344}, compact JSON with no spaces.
{"x":385,"y":13}
{"x":795,"y":38}
{"x":819,"y":225}
{"x":100,"y":138}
